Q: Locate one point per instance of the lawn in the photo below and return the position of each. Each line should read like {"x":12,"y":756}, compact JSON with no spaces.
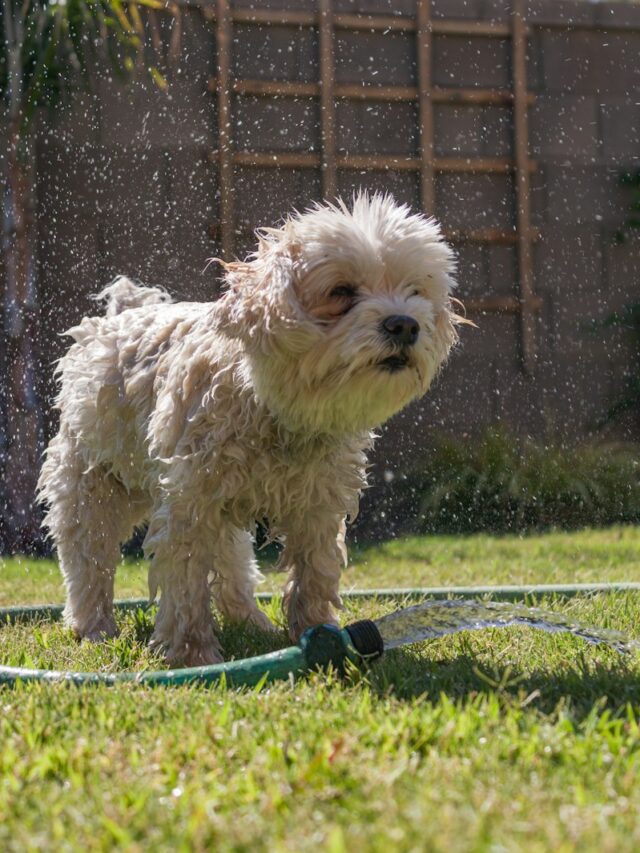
{"x":495,"y":740}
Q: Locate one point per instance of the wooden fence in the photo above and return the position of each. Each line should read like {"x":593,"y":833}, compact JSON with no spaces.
{"x":510,"y":121}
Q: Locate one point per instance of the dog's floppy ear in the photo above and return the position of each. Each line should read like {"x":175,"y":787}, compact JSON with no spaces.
{"x":260,"y":299}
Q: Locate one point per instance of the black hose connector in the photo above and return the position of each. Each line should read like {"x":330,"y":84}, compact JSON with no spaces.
{"x":366,"y":639}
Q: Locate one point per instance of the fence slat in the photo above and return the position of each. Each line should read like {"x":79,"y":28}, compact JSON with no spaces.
{"x":486,"y":235}
{"x":523,"y":215}
{"x":327,"y":101}
{"x":477,"y":235}
{"x":372,"y":92}
{"x":369,"y":23}
{"x":424,"y":50}
{"x":224,"y":37}
{"x":377,"y":162}
{"x":496,"y":305}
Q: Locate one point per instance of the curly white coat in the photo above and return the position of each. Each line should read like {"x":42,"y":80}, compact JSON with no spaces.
{"x":205,"y":417}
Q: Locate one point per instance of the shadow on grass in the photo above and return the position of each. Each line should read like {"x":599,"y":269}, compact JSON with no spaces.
{"x":577,"y":680}
{"x":581,"y":683}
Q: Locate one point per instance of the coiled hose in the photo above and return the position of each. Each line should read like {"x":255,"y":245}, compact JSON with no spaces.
{"x":319,"y":648}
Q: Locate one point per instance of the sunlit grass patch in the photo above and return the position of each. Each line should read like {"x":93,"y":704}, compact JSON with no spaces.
{"x":499,"y":739}
{"x":586,"y":556}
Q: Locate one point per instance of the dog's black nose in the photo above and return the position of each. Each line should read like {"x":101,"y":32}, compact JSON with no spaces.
{"x":401,"y":329}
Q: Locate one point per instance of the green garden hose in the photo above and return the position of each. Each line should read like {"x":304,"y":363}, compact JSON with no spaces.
{"x":319,"y":648}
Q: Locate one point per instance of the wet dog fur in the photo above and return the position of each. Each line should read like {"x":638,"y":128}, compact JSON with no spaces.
{"x":202,"y":417}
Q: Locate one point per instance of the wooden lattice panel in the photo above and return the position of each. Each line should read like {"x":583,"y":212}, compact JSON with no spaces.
{"x":426,"y":165}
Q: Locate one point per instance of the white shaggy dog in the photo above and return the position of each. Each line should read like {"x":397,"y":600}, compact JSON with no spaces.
{"x":205,"y":417}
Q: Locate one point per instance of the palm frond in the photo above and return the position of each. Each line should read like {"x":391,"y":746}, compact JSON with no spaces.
{"x":49,"y":45}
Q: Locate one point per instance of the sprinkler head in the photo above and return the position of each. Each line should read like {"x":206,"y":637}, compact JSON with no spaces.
{"x":366,"y":639}
{"x":327,"y":645}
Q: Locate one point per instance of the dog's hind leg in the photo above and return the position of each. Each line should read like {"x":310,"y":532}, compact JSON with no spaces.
{"x":89,"y":515}
{"x":235,"y":577}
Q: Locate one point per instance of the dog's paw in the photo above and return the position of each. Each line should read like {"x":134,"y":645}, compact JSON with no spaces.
{"x":97,"y":631}
{"x":191,"y":654}
{"x":197,"y":657}
{"x":250,"y":615}
{"x":261,"y":621}
{"x":303,"y":614}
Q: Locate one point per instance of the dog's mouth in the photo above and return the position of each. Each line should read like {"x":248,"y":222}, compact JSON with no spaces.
{"x":394,"y":363}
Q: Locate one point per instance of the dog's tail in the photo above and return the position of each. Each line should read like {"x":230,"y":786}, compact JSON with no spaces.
{"x":123,"y":293}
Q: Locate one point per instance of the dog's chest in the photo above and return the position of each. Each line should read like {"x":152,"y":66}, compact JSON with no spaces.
{"x":284,"y":482}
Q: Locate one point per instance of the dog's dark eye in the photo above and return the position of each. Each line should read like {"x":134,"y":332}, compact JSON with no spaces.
{"x":343,"y":291}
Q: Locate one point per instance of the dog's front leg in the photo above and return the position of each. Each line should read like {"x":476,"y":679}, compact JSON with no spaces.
{"x":314,"y":555}
{"x":181,"y":547}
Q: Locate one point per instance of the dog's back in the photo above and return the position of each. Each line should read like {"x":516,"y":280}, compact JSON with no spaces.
{"x":111,"y":375}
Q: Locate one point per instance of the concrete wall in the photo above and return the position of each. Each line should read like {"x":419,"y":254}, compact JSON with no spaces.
{"x":126,"y":184}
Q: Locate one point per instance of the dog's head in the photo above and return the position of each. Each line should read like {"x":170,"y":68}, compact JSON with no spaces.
{"x":344,"y":314}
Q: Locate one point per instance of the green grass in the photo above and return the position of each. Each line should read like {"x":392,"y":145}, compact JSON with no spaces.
{"x":611,"y":554}
{"x":495,"y":740}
